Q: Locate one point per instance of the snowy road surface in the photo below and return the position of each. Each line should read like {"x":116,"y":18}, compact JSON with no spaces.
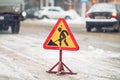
{"x":22,"y":56}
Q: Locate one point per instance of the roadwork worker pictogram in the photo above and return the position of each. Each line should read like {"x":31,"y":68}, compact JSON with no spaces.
{"x":62,"y":38}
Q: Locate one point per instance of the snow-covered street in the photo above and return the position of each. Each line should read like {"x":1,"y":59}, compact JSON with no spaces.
{"x":22,"y":56}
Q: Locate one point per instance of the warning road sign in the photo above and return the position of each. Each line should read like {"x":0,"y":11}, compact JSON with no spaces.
{"x":61,"y":37}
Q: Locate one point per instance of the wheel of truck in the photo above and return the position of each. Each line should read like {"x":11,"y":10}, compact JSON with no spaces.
{"x":6,"y":28}
{"x":88,"y":28}
{"x":16,"y":28}
{"x":117,"y":27}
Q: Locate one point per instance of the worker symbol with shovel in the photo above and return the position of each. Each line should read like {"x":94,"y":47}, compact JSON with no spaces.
{"x":62,"y":38}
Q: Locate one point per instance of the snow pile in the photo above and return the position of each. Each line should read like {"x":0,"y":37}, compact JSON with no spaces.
{"x":44,"y":22}
{"x":77,"y":20}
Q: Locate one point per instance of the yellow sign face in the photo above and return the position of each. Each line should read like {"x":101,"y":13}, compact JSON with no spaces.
{"x":61,"y":37}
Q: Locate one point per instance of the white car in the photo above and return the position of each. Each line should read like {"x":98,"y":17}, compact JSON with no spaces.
{"x":54,"y":13}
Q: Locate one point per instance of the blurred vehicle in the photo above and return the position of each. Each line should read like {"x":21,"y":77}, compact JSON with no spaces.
{"x":53,"y":13}
{"x":103,"y":16}
{"x":30,"y":12}
{"x":11,"y":13}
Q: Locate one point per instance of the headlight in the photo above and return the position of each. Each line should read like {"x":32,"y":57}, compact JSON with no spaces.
{"x":24,"y":14}
{"x":114,"y":15}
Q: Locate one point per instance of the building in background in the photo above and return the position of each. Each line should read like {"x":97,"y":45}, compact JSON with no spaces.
{"x":65,"y":4}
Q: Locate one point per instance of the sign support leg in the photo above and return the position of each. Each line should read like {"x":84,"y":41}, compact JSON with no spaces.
{"x":61,"y":67}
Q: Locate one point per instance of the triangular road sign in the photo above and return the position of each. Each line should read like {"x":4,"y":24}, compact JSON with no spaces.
{"x":61,"y":37}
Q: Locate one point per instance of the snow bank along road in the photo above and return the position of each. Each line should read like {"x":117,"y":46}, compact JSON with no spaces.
{"x":22,"y":56}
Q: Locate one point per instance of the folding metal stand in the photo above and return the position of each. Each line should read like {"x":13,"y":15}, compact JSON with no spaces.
{"x":61,"y":67}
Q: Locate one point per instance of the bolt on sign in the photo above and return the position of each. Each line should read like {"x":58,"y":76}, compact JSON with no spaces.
{"x":61,"y":37}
